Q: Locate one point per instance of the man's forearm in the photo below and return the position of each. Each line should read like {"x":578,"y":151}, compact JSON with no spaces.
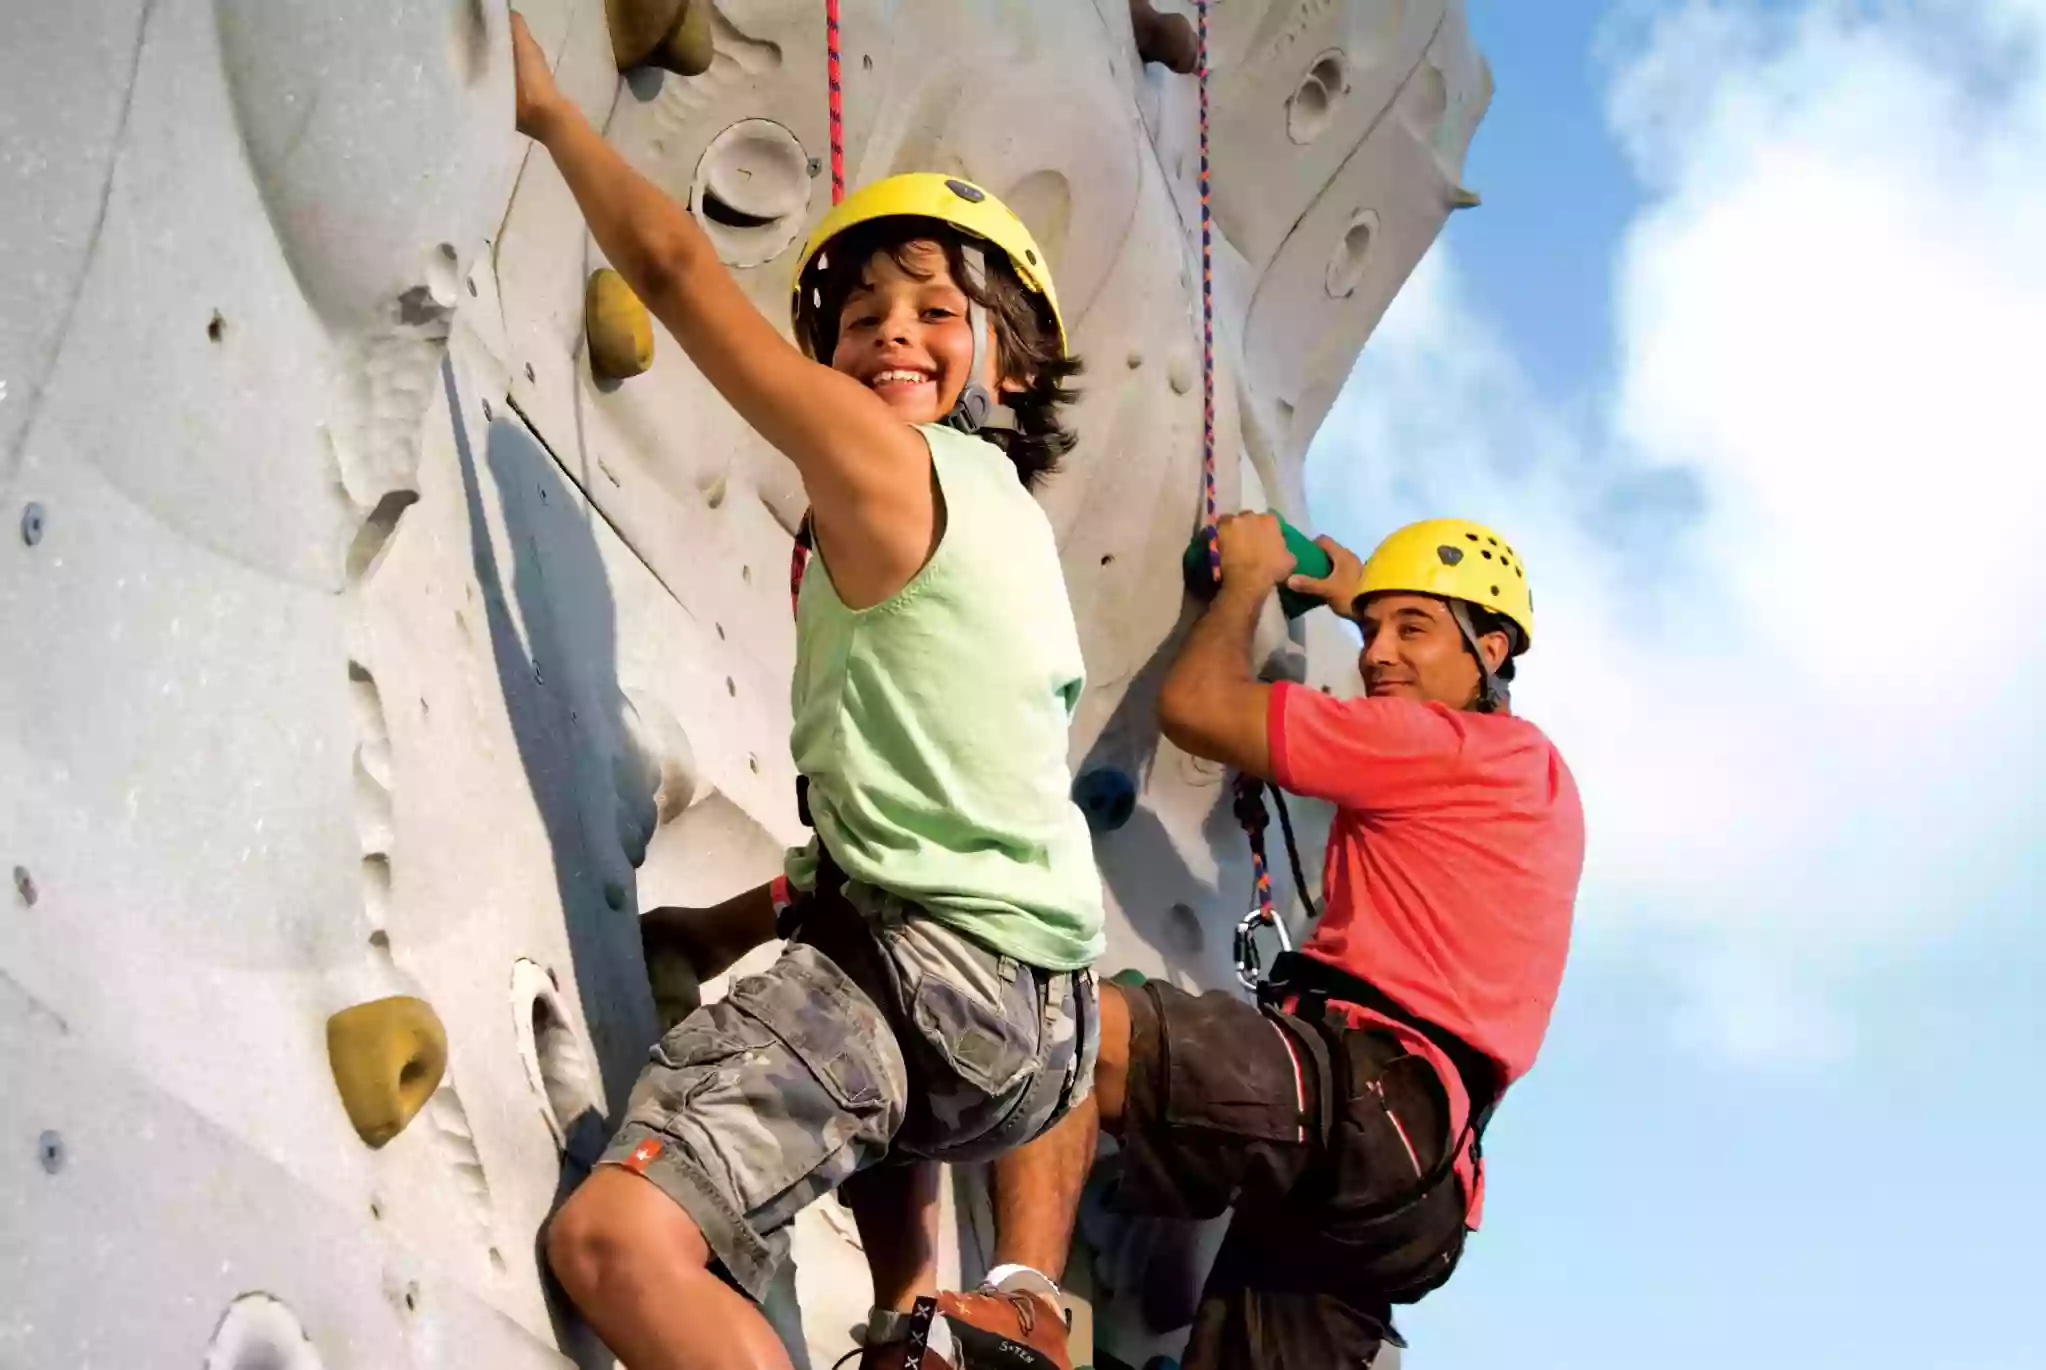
{"x":1217,"y":650}
{"x":1212,"y":704}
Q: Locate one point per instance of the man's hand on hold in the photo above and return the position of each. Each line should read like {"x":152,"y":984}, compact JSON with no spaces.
{"x":1337,"y":589}
{"x":538,"y":96}
{"x":1255,"y":558}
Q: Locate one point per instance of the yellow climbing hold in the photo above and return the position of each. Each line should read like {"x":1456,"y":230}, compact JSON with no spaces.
{"x":621,"y":332}
{"x":1465,"y":198}
{"x":387,"y":1057}
{"x":672,"y":34}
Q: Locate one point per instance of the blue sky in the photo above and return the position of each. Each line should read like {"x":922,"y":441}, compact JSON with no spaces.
{"x":1743,"y":350}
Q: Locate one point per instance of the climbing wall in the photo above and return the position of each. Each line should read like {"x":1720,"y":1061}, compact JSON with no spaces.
{"x":371,"y":655}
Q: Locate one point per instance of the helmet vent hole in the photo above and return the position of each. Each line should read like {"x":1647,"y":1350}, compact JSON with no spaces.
{"x":1485,"y":554}
{"x":1470,"y":537}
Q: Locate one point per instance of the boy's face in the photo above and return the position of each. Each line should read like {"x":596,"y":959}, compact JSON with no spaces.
{"x":907,"y":339}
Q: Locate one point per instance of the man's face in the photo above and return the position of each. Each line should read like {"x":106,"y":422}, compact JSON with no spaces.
{"x":1413,"y":650}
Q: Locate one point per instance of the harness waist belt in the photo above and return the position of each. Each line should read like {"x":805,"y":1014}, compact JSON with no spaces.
{"x":1293,"y":973}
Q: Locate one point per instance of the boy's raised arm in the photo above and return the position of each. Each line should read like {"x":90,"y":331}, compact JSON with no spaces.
{"x":866,"y":472}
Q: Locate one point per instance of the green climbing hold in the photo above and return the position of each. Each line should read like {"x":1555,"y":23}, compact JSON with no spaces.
{"x":1128,"y":978}
{"x":1309,"y":560}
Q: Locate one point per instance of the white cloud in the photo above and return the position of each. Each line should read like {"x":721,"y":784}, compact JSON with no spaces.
{"x":1805,"y":700}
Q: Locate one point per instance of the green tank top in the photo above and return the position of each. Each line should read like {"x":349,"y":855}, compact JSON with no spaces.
{"x":934,"y":726}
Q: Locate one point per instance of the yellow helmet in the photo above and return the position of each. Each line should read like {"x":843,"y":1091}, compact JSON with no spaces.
{"x":948,"y":199}
{"x":1456,"y":559}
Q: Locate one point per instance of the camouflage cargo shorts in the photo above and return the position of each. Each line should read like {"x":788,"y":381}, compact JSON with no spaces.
{"x":756,"y":1106}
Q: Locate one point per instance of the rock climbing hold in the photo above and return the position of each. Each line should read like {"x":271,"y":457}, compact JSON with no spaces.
{"x":50,"y":1151}
{"x":32,"y":523}
{"x":25,"y":886}
{"x":1107,"y":797}
{"x":558,"y":1067}
{"x":1465,"y":198}
{"x":259,"y":1332}
{"x":387,"y":1056}
{"x":1166,"y":39}
{"x":1308,"y":556}
{"x":671,"y":34}
{"x":1128,"y":978}
{"x":620,"y":331}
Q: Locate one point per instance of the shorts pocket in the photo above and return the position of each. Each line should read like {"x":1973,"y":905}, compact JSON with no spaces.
{"x":1229,"y":1069}
{"x":823,"y":1019}
{"x":981,"y":1024}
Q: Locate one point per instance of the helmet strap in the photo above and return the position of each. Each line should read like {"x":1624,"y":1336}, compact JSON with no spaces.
{"x":975,"y":408}
{"x":1493,"y":693}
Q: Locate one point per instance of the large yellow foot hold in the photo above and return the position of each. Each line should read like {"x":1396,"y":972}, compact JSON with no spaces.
{"x":387,"y":1056}
{"x":672,"y":34}
{"x":620,"y":331}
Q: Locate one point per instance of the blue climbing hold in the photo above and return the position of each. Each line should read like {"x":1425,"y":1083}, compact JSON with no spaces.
{"x":1107,"y":796}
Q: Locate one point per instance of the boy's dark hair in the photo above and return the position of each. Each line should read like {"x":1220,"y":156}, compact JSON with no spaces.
{"x":1026,"y":337}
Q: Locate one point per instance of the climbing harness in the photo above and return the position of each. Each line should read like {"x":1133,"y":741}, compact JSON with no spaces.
{"x":1250,"y":812}
{"x":1313,"y":984}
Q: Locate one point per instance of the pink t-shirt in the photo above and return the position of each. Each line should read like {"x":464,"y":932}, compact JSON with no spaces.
{"x":1452,"y":869}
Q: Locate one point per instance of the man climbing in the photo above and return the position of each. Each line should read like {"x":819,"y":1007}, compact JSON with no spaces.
{"x":934,"y":1002}
{"x":1341,"y":1122}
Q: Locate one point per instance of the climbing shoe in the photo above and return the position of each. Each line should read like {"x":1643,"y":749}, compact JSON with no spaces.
{"x":1006,"y":1328}
{"x":992,"y":1328}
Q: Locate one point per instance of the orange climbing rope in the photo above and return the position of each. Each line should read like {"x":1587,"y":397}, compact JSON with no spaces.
{"x":1249,"y":798}
{"x":799,"y":555}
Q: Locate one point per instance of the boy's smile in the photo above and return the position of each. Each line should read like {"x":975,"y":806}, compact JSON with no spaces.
{"x":904,"y":333}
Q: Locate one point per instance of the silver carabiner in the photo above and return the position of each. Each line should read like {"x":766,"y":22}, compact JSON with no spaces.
{"x":1249,"y":965}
